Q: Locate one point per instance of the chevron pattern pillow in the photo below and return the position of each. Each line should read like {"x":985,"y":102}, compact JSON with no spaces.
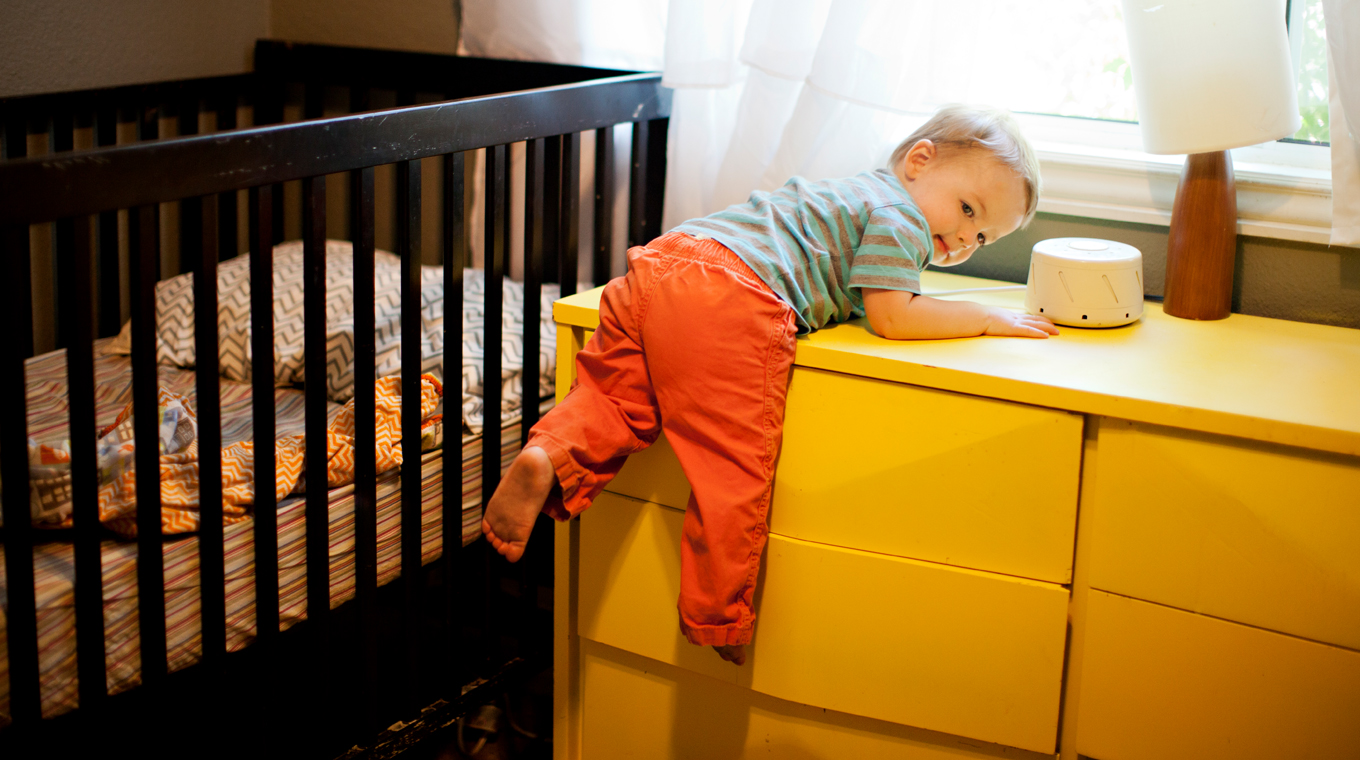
{"x":175,"y":325}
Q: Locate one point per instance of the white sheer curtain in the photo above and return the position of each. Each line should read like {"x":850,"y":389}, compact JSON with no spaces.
{"x":768,"y":89}
{"x":1343,"y":54}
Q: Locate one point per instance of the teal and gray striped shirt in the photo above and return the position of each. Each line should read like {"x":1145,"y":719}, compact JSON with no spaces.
{"x":817,"y":243}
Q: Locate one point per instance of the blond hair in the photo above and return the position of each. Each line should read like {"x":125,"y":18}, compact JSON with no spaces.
{"x":960,"y":127}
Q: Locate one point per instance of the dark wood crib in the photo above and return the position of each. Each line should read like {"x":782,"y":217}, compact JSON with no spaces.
{"x":390,"y":670}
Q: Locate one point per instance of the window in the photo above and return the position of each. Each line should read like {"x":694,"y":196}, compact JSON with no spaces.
{"x":1064,"y":71}
{"x":1308,"y":44}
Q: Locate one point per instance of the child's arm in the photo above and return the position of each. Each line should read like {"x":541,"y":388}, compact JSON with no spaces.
{"x":900,"y":315}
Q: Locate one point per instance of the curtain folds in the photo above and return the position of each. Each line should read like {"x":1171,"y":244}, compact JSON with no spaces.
{"x":769,"y":89}
{"x":1343,"y":63}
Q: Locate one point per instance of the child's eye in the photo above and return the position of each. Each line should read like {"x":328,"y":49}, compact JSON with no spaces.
{"x":982,"y":239}
{"x":967,"y":210}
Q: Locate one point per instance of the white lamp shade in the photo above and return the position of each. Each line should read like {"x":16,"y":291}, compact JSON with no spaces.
{"x":1210,"y":75}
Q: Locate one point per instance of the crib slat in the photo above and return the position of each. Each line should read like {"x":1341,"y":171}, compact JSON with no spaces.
{"x":15,"y":135}
{"x":451,"y":480}
{"x":110,"y":291}
{"x":313,"y":100}
{"x":533,"y":281}
{"x":145,"y":425}
{"x":269,"y":98}
{"x":22,"y":622}
{"x":262,"y":224}
{"x":637,"y":185}
{"x":604,"y":204}
{"x":568,"y":238}
{"x":190,"y":209}
{"x":211,"y":561}
{"x":552,"y":202}
{"x":227,"y":210}
{"x":314,"y":347}
{"x":653,"y":180}
{"x":63,"y":242}
{"x":89,"y":584}
{"x":365,"y":435}
{"x":493,"y":256}
{"x":148,"y":128}
{"x":408,"y":247}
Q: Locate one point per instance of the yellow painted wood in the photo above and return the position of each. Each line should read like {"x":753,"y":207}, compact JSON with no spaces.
{"x":944,"y":477}
{"x":1260,"y":534}
{"x":567,"y":705}
{"x":654,"y":475}
{"x":579,"y":310}
{"x":641,"y":708}
{"x":1079,"y":603}
{"x":1162,"y":684}
{"x":1264,"y":379}
{"x":959,"y":651}
{"x":570,"y":340}
{"x":566,"y":558}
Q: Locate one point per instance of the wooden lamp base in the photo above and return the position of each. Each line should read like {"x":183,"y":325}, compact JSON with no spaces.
{"x":1202,"y":248}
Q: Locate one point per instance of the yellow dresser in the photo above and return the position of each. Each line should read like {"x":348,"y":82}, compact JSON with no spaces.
{"x":1128,"y":543}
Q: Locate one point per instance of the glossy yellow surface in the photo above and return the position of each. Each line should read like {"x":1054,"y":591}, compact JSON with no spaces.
{"x":916,"y":486}
{"x":1161,"y":684}
{"x":1236,"y":529}
{"x":1262,"y":379}
{"x":922,"y":644}
{"x":654,"y":475}
{"x":1217,"y":473}
{"x":641,"y":708}
{"x":920,"y":473}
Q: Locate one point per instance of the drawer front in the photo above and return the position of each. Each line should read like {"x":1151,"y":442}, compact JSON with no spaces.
{"x":1161,"y":684}
{"x":911,"y":472}
{"x":640,"y":708}
{"x":959,"y":651}
{"x":654,"y":475}
{"x":1250,"y":532}
{"x":927,"y":474}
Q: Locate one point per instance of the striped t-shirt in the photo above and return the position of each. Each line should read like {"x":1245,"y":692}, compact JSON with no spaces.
{"x":817,"y":243}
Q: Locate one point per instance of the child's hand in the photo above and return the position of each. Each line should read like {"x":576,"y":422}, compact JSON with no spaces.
{"x":1009,"y":323}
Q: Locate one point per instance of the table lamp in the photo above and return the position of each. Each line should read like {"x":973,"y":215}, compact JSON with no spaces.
{"x":1208,"y":75}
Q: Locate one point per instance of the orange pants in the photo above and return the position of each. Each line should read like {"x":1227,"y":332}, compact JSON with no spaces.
{"x":691,"y":343}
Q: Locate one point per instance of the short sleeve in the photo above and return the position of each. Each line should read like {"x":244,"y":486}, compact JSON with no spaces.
{"x":893,"y":251}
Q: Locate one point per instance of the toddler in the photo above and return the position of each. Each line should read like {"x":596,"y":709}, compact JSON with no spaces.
{"x":698,"y":339}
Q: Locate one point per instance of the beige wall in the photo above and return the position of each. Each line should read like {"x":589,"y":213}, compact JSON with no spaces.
{"x":421,"y":25}
{"x":57,"y":45}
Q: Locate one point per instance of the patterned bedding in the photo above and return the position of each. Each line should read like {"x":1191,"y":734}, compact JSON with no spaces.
{"x":54,"y":563}
{"x":175,"y":326}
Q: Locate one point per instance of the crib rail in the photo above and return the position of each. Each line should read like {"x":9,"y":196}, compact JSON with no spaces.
{"x":81,"y":193}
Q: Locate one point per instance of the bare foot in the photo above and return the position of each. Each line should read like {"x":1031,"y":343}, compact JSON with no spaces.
{"x":733,"y":653}
{"x":511,"y":513}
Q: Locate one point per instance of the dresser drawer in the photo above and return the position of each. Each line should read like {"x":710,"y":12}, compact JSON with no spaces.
{"x":1246,"y":531}
{"x":641,"y":708}
{"x":911,"y":472}
{"x":927,"y":474}
{"x":959,"y":651}
{"x":1161,"y":684}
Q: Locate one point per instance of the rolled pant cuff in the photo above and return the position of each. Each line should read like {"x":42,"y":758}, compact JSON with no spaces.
{"x":568,"y":478}
{"x":718,"y":635}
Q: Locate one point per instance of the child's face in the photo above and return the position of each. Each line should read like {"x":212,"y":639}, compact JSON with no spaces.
{"x":968,"y":197}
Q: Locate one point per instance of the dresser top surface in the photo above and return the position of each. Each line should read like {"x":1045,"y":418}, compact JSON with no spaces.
{"x":1271,"y":380}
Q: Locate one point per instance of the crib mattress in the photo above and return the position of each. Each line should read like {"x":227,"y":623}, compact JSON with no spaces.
{"x":54,"y":561}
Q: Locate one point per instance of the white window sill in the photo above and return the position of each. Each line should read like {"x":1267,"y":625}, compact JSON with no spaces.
{"x":1098,"y":170}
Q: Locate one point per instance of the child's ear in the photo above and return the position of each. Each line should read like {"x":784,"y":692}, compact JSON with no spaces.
{"x":916,"y":158}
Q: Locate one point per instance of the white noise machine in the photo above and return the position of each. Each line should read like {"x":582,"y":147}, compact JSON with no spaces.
{"x":1084,"y":282}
